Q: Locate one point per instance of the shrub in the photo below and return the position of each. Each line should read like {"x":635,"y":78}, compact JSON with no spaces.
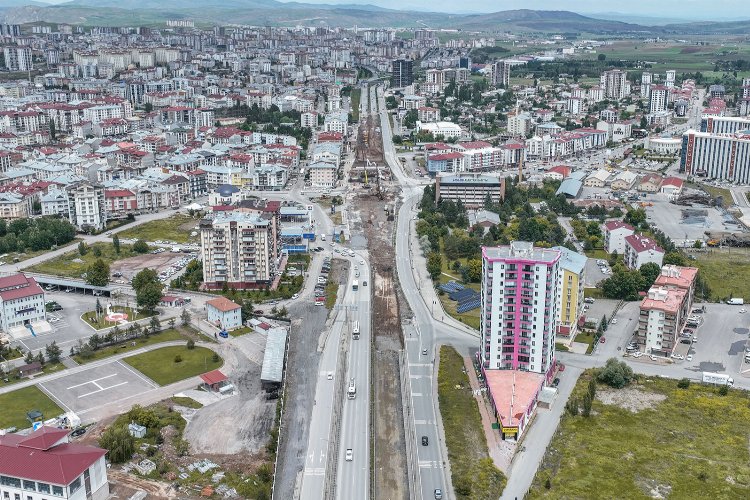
{"x":684,"y":383}
{"x":215,"y":358}
{"x":191,"y":344}
{"x":178,"y":359}
{"x":723,"y":390}
{"x":615,"y":374}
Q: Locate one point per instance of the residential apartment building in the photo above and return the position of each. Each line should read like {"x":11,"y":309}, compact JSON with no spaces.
{"x":471,"y":189}
{"x":640,"y":249}
{"x":239,"y":250}
{"x":21,"y":301}
{"x":615,"y":84}
{"x":45,"y":465}
{"x":518,"y":323}
{"x":86,"y":205}
{"x":722,"y":157}
{"x":18,"y":58}
{"x":501,"y":74}
{"x":402,"y":73}
{"x":659,"y":99}
{"x":615,"y":233}
{"x":15,"y":206}
{"x":571,"y":285}
{"x":323,"y":174}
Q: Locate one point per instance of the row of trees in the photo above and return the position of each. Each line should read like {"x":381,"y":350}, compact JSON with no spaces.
{"x":41,"y":233}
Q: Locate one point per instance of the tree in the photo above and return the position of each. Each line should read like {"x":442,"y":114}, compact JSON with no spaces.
{"x":120,"y":444}
{"x":601,"y":57}
{"x":39,"y":358}
{"x":684,"y":383}
{"x":155,"y":324}
{"x":97,"y":274}
{"x":603,"y":324}
{"x":615,"y":374}
{"x":572,"y":406}
{"x":140,"y":246}
{"x":97,"y":251}
{"x":190,"y":344}
{"x":587,"y":403}
{"x":82,"y":249}
{"x":675,"y":258}
{"x":52,"y":129}
{"x":116,"y":243}
{"x":650,"y":271}
{"x":143,"y":278}
{"x":246,"y":310}
{"x":149,"y":296}
{"x":185,"y":317}
{"x":635,"y":217}
{"x":53,"y":352}
{"x":29,"y":358}
{"x":434,"y":265}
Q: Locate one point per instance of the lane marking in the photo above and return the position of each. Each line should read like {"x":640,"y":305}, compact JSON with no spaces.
{"x":101,"y":390}
{"x":91,"y":381}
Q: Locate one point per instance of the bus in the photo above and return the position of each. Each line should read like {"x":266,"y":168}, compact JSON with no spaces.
{"x":352,"y":391}
{"x":355,"y":330}
{"x":355,"y":285}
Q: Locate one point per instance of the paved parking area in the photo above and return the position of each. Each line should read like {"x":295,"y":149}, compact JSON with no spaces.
{"x":721,"y":340}
{"x":668,"y":217}
{"x":96,"y":387}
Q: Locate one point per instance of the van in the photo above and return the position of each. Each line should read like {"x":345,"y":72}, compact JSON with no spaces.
{"x":322,"y":237}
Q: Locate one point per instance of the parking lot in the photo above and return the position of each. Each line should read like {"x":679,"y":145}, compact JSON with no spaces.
{"x":98,"y":386}
{"x":669,"y":218}
{"x":166,"y":264}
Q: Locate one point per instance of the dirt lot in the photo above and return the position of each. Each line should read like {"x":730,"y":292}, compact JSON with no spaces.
{"x":158,"y":262}
{"x":390,"y":472}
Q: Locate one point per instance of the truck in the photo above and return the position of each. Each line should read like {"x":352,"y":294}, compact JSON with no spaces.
{"x":355,"y":330}
{"x":717,"y":379}
{"x":355,"y":285}
{"x":735,"y":301}
{"x":351,"y":392}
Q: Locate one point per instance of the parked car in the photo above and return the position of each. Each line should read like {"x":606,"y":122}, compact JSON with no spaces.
{"x":349,"y":455}
{"x":425,"y":441}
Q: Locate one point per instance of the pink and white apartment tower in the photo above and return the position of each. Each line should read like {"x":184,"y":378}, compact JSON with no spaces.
{"x":519,"y":307}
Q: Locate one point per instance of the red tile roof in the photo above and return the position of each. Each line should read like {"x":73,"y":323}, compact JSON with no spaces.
{"x":44,"y":438}
{"x":641,"y":243}
{"x":223,"y":304}
{"x":29,"y":290}
{"x":617,"y":224}
{"x":213,"y":377}
{"x":59,"y":465}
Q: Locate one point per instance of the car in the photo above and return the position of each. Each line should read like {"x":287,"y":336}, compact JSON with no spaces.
{"x":637,"y":354}
{"x":613,"y":322}
{"x":364,"y":283}
{"x":695,"y":339}
{"x":329,"y":376}
{"x":743,"y":311}
{"x":556,"y":382}
{"x":78,"y":432}
{"x":653,"y":358}
{"x":349,"y":455}
{"x":68,"y":290}
{"x":425,"y":441}
{"x":295,"y":296}
{"x":362,"y":262}
{"x":689,"y":357}
{"x":589,"y":300}
{"x":424,"y":352}
{"x":438,"y":494}
{"x":602,"y":340}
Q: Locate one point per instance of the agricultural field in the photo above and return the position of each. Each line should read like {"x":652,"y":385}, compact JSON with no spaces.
{"x":648,"y":440}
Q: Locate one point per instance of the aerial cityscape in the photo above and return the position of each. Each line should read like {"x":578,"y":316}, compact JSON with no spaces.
{"x":346,"y":250}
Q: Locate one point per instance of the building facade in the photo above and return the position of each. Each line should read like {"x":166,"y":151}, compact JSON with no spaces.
{"x":520,"y":287}
{"x":402,"y":73}
{"x":722,"y":157}
{"x":615,"y":233}
{"x":224,"y":313}
{"x":571,"y":285}
{"x":640,"y":249}
{"x":21,"y":301}
{"x":471,"y":189}
{"x":86,"y":205}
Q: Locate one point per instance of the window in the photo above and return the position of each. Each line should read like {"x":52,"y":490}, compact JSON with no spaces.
{"x":29,"y":485}
{"x":10,"y":481}
{"x":57,"y":491}
{"x":42,"y":487}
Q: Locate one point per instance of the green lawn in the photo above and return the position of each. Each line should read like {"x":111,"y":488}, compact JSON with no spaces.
{"x":73,"y":265}
{"x":693,"y":444}
{"x":586,"y":337}
{"x":715,"y":192}
{"x":471,"y":466}
{"x":237,"y":332}
{"x":176,"y":228}
{"x":163,"y":336}
{"x":355,"y":97}
{"x":597,"y":253}
{"x":160,"y":365}
{"x":332,"y":290}
{"x":726,"y":271}
{"x":186,"y":402}
{"x":14,"y":405}
{"x":133,"y":315}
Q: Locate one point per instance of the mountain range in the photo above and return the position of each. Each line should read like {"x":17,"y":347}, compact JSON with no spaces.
{"x":275,"y":13}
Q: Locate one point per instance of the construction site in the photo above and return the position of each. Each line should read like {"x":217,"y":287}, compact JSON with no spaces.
{"x":369,"y":168}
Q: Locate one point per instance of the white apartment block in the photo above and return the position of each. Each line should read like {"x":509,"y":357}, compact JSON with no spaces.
{"x":86,"y":205}
{"x":21,"y":301}
{"x":323,"y":174}
{"x":615,"y":84}
{"x":615,"y":233}
{"x":659,"y":99}
{"x":641,"y":249}
{"x":238,"y":249}
{"x":18,"y":58}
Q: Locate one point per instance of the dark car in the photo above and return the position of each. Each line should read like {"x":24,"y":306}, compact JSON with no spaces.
{"x":556,"y":382}
{"x":53,"y":306}
{"x":425,"y":441}
{"x":78,"y":432}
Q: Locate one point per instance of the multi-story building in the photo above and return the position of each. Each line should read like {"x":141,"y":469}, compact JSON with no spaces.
{"x":615,"y":233}
{"x":721,"y":157}
{"x":45,"y":465}
{"x":323,"y":174}
{"x":571,"y":285}
{"x":21,"y":301}
{"x":18,"y":58}
{"x":640,"y":249}
{"x":402,"y":74}
{"x":501,"y":74}
{"x":239,"y":250}
{"x":723,"y":124}
{"x":86,"y":205}
{"x":658,"y":99}
{"x":615,"y":84}
{"x":665,"y":310}
{"x":518,"y":322}
{"x":471,"y":189}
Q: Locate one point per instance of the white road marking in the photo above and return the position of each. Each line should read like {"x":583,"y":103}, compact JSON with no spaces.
{"x":138,"y":374}
{"x":91,"y":381}
{"x":101,"y":389}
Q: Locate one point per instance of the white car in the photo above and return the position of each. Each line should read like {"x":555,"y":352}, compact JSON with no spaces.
{"x":653,"y":358}
{"x":637,"y":354}
{"x":689,"y":357}
{"x":743,"y":310}
{"x":362,"y":262}
{"x":349,"y":455}
{"x":613,"y":322}
{"x":295,"y":296}
{"x":330,"y":376}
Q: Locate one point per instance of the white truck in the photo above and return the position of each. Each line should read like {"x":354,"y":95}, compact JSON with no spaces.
{"x":735,"y":302}
{"x":717,"y":379}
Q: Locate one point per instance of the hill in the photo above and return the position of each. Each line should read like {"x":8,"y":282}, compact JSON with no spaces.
{"x":545,"y":20}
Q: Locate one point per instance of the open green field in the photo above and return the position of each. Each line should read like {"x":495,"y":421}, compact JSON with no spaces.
{"x":176,"y":228}
{"x":355,"y":97}
{"x":154,"y":338}
{"x":161,"y":366}
{"x":586,"y":337}
{"x":15,"y":404}
{"x":715,"y":192}
{"x":73,"y":265}
{"x":186,"y":402}
{"x":472,"y":469}
{"x":726,"y":271}
{"x":691,"y":444}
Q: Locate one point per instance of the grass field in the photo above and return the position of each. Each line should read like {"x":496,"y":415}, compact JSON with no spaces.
{"x":73,"y":265}
{"x":176,"y":228}
{"x":133,"y":315}
{"x":15,"y":404}
{"x":726,"y":271}
{"x":160,"y":365}
{"x":693,"y":444}
{"x":105,"y":352}
{"x":471,"y":467}
{"x":186,"y":402}
{"x":355,"y":97}
{"x":470,"y":318}
{"x":586,"y":338}
{"x":332,"y":290}
{"x":238,"y":332}
{"x":717,"y":191}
